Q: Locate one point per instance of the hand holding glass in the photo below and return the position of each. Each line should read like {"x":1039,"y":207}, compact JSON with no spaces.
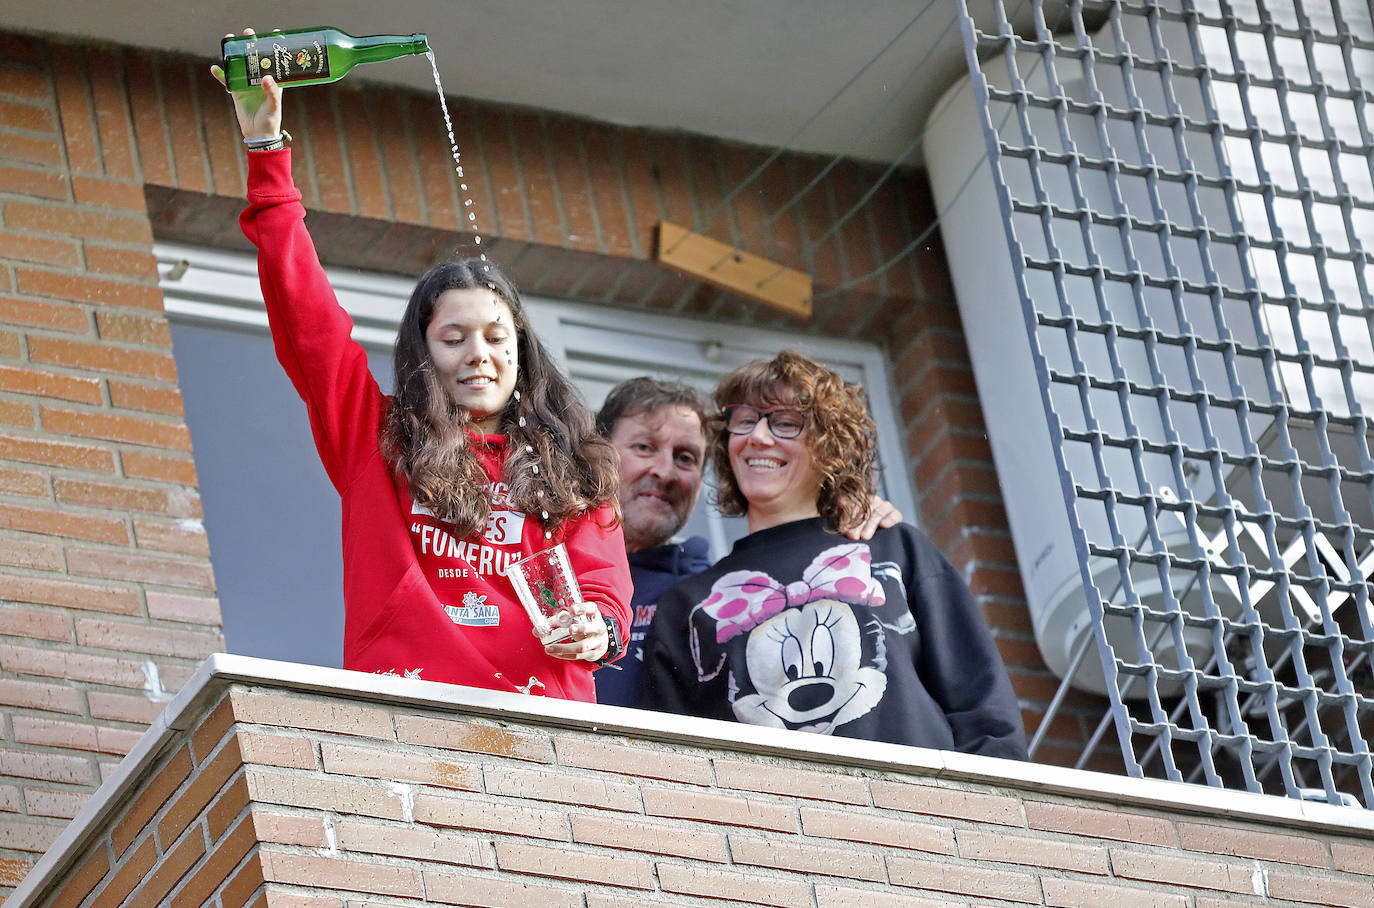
{"x":547,"y":588}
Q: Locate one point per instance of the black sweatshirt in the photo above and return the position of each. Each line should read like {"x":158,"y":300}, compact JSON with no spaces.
{"x":803,"y":629}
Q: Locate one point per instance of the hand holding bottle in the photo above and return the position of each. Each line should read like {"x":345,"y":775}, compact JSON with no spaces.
{"x":258,"y":109}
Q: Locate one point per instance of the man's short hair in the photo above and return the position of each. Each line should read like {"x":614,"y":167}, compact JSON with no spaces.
{"x":643,"y":395}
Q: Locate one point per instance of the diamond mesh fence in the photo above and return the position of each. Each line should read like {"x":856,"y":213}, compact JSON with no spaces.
{"x":1188,"y":193}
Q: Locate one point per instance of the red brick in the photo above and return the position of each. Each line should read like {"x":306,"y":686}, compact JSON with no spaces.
{"x":78,"y":222}
{"x":44,"y":591}
{"x":123,"y":707}
{"x":16,"y":413}
{"x":474,"y":737}
{"x":560,"y":787}
{"x":109,"y":194}
{"x":56,"y":453}
{"x":55,"y":663}
{"x":690,"y":879}
{"x":79,"y":884}
{"x":103,"y":357}
{"x":27,"y":117}
{"x":408,"y":841}
{"x":137,"y":264}
{"x":1102,"y":824}
{"x":41,"y":250}
{"x":314,"y":714}
{"x":33,"y":182}
{"x":243,"y":884}
{"x":195,"y":796}
{"x":35,"y":553}
{"x":136,"y":867}
{"x":225,"y":856}
{"x":112,"y":123}
{"x":1182,"y":870}
{"x":64,"y":805}
{"x":168,"y":606}
{"x":110,"y":427}
{"x":52,"y":522}
{"x":78,"y":121}
{"x":788,"y":780}
{"x":186,"y":537}
{"x":947,"y":802}
{"x":963,"y":879}
{"x":174,"y":502}
{"x":49,"y":767}
{"x":112,"y":564}
{"x":58,"y":698}
{"x":731,"y":810}
{"x":156,"y":793}
{"x":136,"y":637}
{"x":1070,"y":893}
{"x":49,"y":316}
{"x":15,"y":622}
{"x":616,"y":831}
{"x":130,"y":328}
{"x":1034,"y":851}
{"x":490,"y":816}
{"x":350,"y":795}
{"x":805,"y":856}
{"x":434,"y":169}
{"x":1321,"y":890}
{"x":1251,"y":843}
{"x":31,"y":483}
{"x":132,"y":396}
{"x":577,"y":865}
{"x":1352,"y":857}
{"x":340,"y":873}
{"x":142,"y":465}
{"x":278,"y":750}
{"x":650,"y":762}
{"x":462,"y":889}
{"x":401,"y":766}
{"x":828,"y":896}
{"x":211,"y":730}
{"x":854,"y":826}
{"x":28,"y":150}
{"x":227,"y":807}
{"x":290,"y":829}
{"x":50,"y":384}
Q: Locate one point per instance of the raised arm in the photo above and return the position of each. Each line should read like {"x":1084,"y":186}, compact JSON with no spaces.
{"x":311,"y":333}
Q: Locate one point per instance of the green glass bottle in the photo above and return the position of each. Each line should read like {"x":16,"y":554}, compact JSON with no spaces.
{"x":308,"y":56}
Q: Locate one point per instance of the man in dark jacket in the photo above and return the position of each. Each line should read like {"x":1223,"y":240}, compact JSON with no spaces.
{"x":658,"y":428}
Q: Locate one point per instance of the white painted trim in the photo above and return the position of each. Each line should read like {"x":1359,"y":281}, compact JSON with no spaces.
{"x":219,"y":671}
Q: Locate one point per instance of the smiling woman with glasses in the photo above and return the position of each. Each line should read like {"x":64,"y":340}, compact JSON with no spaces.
{"x":800,"y":628}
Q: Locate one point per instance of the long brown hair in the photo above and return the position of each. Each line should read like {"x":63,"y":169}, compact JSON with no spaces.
{"x":840,"y":434}
{"x":556,"y":463}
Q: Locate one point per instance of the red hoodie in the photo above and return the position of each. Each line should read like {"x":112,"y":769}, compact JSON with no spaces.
{"x":417,"y":601}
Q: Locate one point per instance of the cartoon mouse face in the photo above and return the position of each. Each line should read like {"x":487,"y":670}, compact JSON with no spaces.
{"x":805,"y":665}
{"x":808,"y":655}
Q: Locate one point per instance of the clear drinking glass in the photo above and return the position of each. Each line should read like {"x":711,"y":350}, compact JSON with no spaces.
{"x":546,"y":586}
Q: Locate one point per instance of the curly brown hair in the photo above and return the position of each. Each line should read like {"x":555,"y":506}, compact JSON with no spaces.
{"x":840,"y":434}
{"x":556,"y":463}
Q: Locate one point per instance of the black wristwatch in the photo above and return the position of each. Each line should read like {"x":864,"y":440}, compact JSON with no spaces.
{"x":613,"y":647}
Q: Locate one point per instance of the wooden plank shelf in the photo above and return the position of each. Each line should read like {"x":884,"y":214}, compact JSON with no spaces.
{"x":723,"y":266}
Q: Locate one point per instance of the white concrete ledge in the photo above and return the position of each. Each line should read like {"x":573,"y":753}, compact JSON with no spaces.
{"x":205,"y":687}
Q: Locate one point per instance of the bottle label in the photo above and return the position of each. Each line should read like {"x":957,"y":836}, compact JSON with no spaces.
{"x":288,"y":58}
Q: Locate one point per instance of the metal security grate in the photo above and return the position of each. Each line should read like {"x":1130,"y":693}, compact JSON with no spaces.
{"x":1188,"y":193}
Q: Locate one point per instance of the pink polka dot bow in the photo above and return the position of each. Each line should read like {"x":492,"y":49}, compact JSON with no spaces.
{"x":742,"y":600}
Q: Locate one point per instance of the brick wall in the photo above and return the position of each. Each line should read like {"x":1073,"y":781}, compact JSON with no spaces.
{"x":275,"y":797}
{"x":106,"y":587}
